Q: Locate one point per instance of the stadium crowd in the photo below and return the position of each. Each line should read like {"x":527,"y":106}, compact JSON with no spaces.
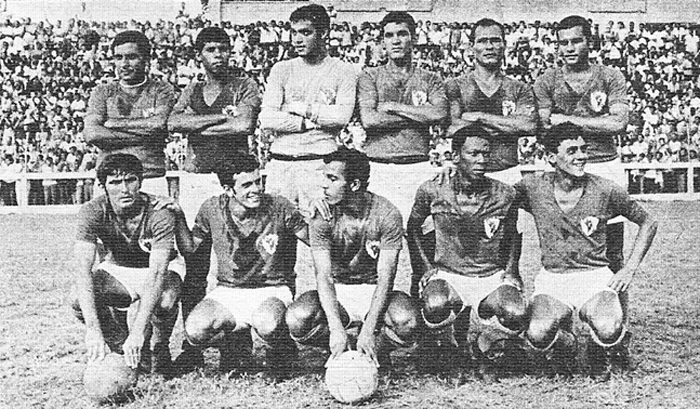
{"x":47,"y":71}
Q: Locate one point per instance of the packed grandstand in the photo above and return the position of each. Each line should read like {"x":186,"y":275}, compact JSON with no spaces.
{"x":48,"y":69}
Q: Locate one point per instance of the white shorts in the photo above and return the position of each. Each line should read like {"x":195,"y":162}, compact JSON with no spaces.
{"x":356,"y":299}
{"x":472,"y":290}
{"x":573,"y":289}
{"x":135,"y":280}
{"x":298,"y":181}
{"x":243,"y":302}
{"x":153,"y":186}
{"x":195,"y":188}
{"x":399,"y":183}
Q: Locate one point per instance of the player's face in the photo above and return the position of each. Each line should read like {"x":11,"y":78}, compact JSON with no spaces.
{"x":215,"y":57}
{"x":571,"y":157}
{"x":247,"y":188}
{"x":397,"y":41}
{"x":130,"y":64}
{"x":489,"y":46}
{"x":306,"y":40}
{"x":334,"y":184}
{"x":573,"y":46}
{"x":473,"y":158}
{"x":122,"y":190}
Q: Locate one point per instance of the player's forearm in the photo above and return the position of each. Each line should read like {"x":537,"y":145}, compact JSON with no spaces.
{"x":105,"y":138}
{"x":380,"y":298}
{"x":607,"y":125}
{"x":183,"y":236}
{"x":141,"y":126}
{"x":425,"y":114}
{"x":280,"y":121}
{"x":326,"y":289}
{"x":84,"y":254}
{"x":373,"y":119}
{"x":238,"y":126}
{"x":509,"y":125}
{"x":159,"y":269}
{"x":193,"y":123}
{"x":331,"y":116}
{"x":414,"y":238}
{"x":642,"y":243}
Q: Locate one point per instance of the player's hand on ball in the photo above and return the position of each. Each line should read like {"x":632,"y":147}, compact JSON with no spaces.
{"x":621,"y":281}
{"x":366,"y":344}
{"x":96,"y":346}
{"x":338,"y":343}
{"x":132,"y":349}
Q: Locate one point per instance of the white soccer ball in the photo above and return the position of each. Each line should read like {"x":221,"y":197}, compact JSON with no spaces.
{"x":108,"y":379}
{"x":352,"y":377}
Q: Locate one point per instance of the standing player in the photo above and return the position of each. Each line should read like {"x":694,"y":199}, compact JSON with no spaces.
{"x":355,"y":255}
{"x":307,"y":101}
{"x":398,"y":104}
{"x":217,"y":115}
{"x":129,"y":115}
{"x":571,"y":209}
{"x":475,"y":267}
{"x":139,"y":266}
{"x":592,"y":97}
{"x":504,"y":107}
{"x":254,"y":238}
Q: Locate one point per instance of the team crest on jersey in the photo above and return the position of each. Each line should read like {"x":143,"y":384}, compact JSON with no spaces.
{"x":149,"y":112}
{"x":145,"y":244}
{"x":508,"y":107}
{"x":589,"y":225}
{"x":230,"y":110}
{"x":598,"y":99}
{"x":372,"y":248}
{"x":419,"y":98}
{"x":491,"y":226}
{"x":327,"y":96}
{"x":269,"y":243}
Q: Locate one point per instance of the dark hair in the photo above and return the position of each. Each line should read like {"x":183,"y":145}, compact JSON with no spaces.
{"x":486,"y":22}
{"x":225,"y":171}
{"x":575,"y":21}
{"x":314,"y":13}
{"x":558,"y":134}
{"x":211,"y":35}
{"x":473,"y":130}
{"x":117,"y":164}
{"x":356,"y":164}
{"x":133,"y":36}
{"x":399,"y":17}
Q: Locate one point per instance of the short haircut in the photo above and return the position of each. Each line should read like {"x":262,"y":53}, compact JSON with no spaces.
{"x":575,"y":21}
{"x":399,"y":17}
{"x":473,"y":130}
{"x":486,"y":22}
{"x":558,"y":134}
{"x":136,"y":37}
{"x":226,"y":170}
{"x":356,"y":164}
{"x":211,"y":35}
{"x":119,"y":164}
{"x":315,"y":14}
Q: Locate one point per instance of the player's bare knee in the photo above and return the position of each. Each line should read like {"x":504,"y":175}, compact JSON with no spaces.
{"x":304,"y":314}
{"x":403,"y":316}
{"x":269,"y":319}
{"x":436,"y":301}
{"x":171,"y":293}
{"x":541,"y":332}
{"x":607,"y":328}
{"x":204,"y":323}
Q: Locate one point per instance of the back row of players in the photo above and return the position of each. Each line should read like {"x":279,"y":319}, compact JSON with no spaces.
{"x":465,"y":274}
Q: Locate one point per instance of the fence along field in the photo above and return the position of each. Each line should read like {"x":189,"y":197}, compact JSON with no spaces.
{"x":42,"y":353}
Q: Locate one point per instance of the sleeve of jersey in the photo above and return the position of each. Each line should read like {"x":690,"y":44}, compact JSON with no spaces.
{"x":250,"y":95}
{"x":438,"y":96}
{"x":622,"y":204}
{"x":421,"y":205}
{"x":88,"y":220}
{"x":391,"y":231}
{"x":541,"y":90}
{"x":163,"y":229}
{"x":201,"y":228}
{"x":367,"y":95}
{"x":618,"y":88}
{"x":97,"y":104}
{"x":166,"y":95}
{"x":320,"y":234}
{"x":184,"y":100}
{"x":453,"y":91}
{"x":525,"y":106}
{"x":271,"y":117}
{"x":340,"y":113}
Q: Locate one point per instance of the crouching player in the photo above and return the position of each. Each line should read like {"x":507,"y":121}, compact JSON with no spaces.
{"x":473,"y":280}
{"x":254,"y":237}
{"x":571,"y":210}
{"x":355,"y":253}
{"x":140,"y":265}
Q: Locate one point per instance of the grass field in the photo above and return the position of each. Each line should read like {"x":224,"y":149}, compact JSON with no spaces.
{"x":42,"y":355}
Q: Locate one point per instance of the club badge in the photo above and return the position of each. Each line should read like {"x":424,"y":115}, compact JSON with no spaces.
{"x":145,"y":244}
{"x":508,"y":107}
{"x":419,"y":98}
{"x":589,"y":225}
{"x":491,"y":226}
{"x":230,"y":110}
{"x":149,"y":112}
{"x":269,"y":243}
{"x":372,"y":248}
{"x":326,"y":96}
{"x":598,"y":99}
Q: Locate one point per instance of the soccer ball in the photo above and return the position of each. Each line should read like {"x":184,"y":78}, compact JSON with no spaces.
{"x":352,"y":377}
{"x":108,"y":379}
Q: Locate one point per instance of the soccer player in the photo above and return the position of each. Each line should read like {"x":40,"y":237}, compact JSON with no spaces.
{"x":307,"y":101}
{"x":217,"y":114}
{"x":398,"y":104}
{"x":504,"y":107}
{"x":474,"y":274}
{"x":592,"y":97}
{"x":129,"y":115}
{"x":571,"y":208}
{"x":254,"y":236}
{"x":140,"y":265}
{"x":355,"y":254}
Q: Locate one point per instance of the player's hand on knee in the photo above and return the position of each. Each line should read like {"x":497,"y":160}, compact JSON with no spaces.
{"x":366,"y":344}
{"x":322,"y":207}
{"x":426,"y":277}
{"x":621,"y":281}
{"x":338,"y":343}
{"x":132,"y":349}
{"x":96,"y":346}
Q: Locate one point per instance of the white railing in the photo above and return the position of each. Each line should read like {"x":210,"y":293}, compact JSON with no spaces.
{"x":22,"y":185}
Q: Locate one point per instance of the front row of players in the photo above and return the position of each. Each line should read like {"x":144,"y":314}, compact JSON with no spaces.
{"x":470,"y":282}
